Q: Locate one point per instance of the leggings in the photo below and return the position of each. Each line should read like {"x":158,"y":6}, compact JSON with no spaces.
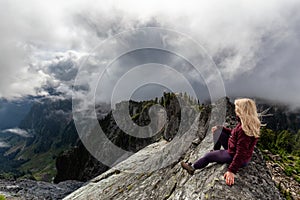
{"x":220,"y":139}
{"x":219,"y":156}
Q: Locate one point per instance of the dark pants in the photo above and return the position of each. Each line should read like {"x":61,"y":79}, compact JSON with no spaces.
{"x":219,"y":156}
{"x":220,"y":139}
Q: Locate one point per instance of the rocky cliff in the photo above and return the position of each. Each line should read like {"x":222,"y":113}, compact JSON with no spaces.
{"x":145,"y":174}
{"x":78,"y":164}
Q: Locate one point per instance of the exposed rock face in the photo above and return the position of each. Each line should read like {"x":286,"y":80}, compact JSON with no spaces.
{"x":284,"y":182}
{"x":29,"y":189}
{"x":78,"y":164}
{"x":144,"y":175}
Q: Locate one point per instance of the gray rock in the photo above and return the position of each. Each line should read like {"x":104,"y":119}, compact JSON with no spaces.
{"x":29,"y":189}
{"x":144,"y":175}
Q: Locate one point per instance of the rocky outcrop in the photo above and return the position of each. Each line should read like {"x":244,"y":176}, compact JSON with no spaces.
{"x":155,"y":173}
{"x":287,"y":184}
{"x":29,"y":189}
{"x":78,"y":164}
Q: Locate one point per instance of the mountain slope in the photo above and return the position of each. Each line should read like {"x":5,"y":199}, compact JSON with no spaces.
{"x":12,"y":112}
{"x":51,"y":130}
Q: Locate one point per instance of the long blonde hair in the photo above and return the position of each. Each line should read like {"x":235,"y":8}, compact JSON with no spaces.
{"x":246,"y":110}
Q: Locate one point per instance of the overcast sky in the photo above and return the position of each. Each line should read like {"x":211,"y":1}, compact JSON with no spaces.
{"x":254,"y":44}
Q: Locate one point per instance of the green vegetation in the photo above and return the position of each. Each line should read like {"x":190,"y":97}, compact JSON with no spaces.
{"x":287,"y":146}
{"x":286,"y":194}
{"x":35,"y":166}
{"x":47,"y":170}
{"x":2,"y":197}
{"x":146,"y":106}
{"x":283,"y":143}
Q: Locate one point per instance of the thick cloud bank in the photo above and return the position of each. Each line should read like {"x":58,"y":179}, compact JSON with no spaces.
{"x":255,"y":44}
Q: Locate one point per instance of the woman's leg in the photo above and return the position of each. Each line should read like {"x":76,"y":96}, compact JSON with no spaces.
{"x":220,"y":139}
{"x":219,"y":156}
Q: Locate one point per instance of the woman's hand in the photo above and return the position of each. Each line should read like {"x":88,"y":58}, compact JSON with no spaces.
{"x":215,"y":128}
{"x":229,"y":178}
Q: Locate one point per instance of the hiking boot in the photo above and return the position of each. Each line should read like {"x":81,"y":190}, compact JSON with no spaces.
{"x":188,"y":167}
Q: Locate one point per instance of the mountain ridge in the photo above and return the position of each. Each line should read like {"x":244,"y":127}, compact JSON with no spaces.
{"x":131,"y":180}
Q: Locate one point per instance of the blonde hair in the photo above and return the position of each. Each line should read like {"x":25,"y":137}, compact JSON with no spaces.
{"x":246,"y":110}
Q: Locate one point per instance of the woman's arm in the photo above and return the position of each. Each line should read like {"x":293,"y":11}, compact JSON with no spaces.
{"x":227,"y":130}
{"x":242,"y":152}
{"x":222,"y":128}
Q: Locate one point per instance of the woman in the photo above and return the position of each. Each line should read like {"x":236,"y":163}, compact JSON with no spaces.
{"x":238,"y":143}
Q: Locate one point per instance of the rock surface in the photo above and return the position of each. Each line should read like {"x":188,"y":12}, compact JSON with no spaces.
{"x":36,"y":190}
{"x":284,"y":182}
{"x":155,"y":173}
{"x":78,"y":164}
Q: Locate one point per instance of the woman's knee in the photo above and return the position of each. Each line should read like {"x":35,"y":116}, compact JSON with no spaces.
{"x":212,"y":156}
{"x":207,"y":156}
{"x":224,"y":135}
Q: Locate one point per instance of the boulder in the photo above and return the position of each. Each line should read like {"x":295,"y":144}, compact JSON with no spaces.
{"x":155,"y":173}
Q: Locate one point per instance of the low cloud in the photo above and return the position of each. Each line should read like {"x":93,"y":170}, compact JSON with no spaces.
{"x":254,"y":44}
{"x":18,"y":131}
{"x":4,"y":144}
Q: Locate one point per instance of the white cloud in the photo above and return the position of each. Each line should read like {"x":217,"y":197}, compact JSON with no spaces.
{"x":17,"y":131}
{"x":254,"y":43}
{"x":4,"y":144}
